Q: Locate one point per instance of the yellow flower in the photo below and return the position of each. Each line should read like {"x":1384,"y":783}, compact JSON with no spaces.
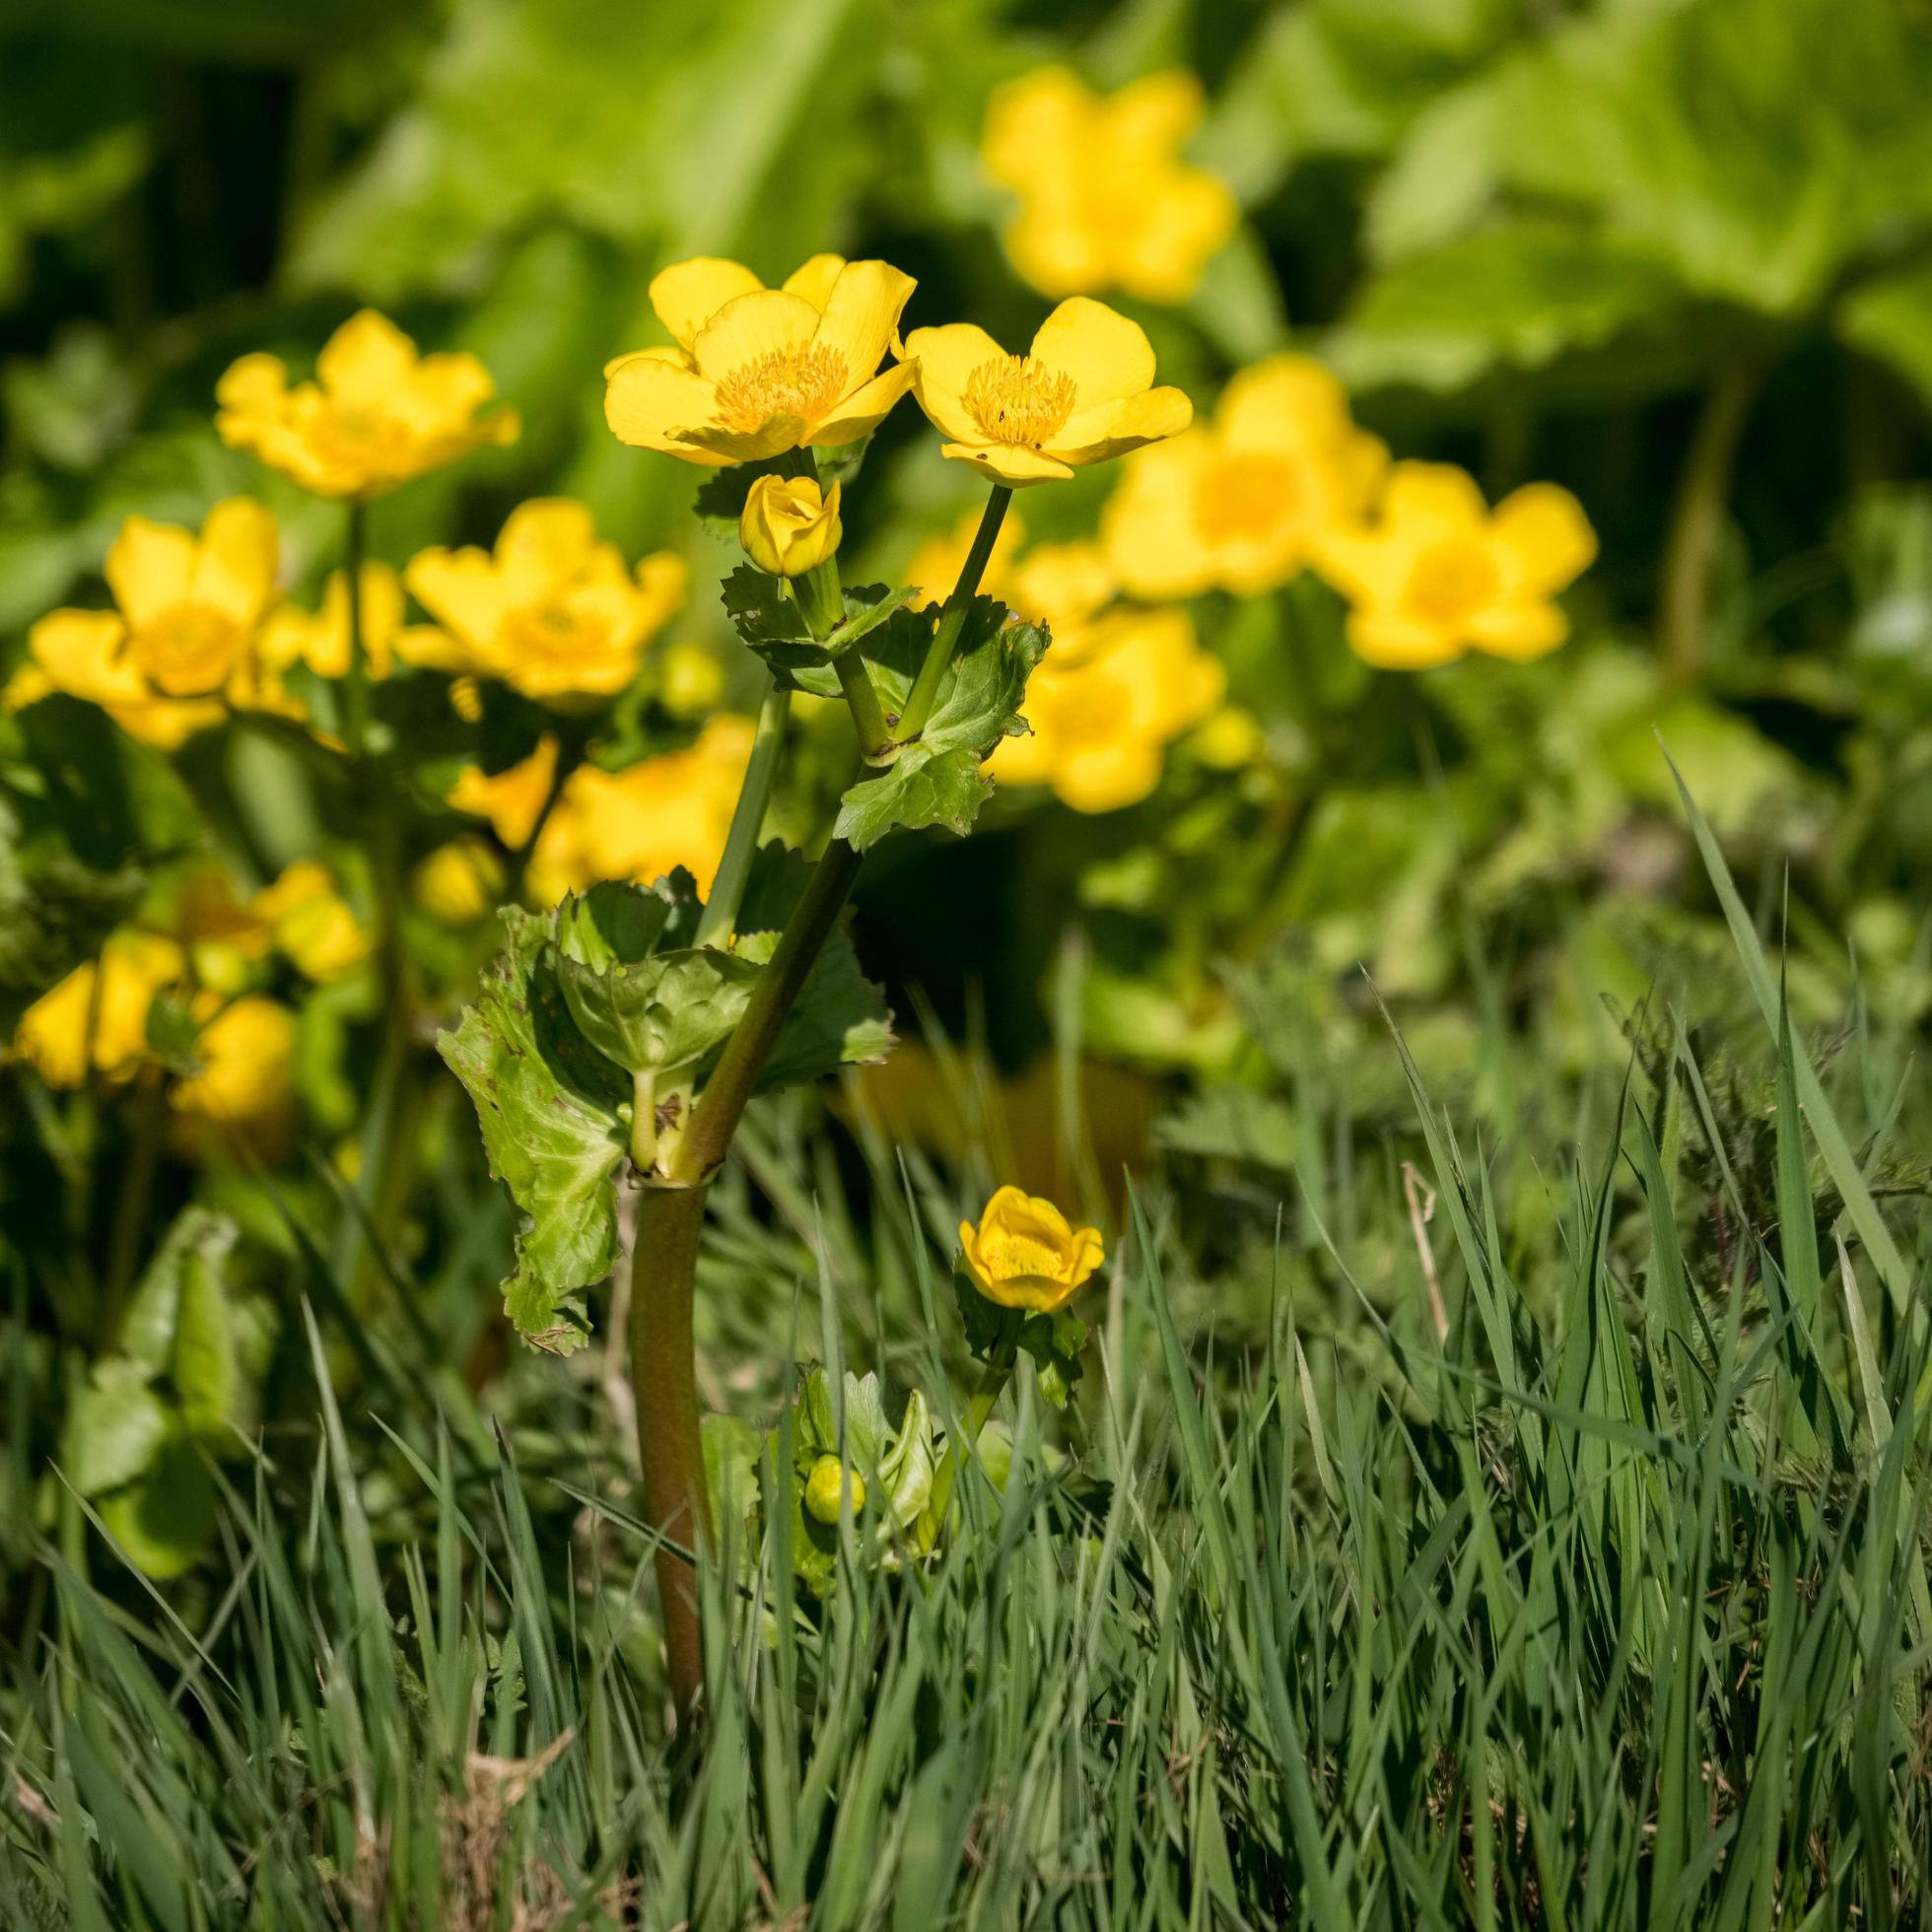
{"x":320,"y":639}
{"x":553,"y":613}
{"x":1065,"y":586}
{"x":1436,"y":572}
{"x":642,"y":822}
{"x":376,"y":415}
{"x":1240,"y":505}
{"x":98,"y":1015}
{"x":459,"y":882}
{"x":789,"y":527}
{"x":1026,"y":1254}
{"x":828,"y":1486}
{"x":689,"y":678}
{"x":1105,"y":199}
{"x":512,"y":800}
{"x":245,"y":1062}
{"x":312,"y":921}
{"x":755,"y":371}
{"x":181,"y":644}
{"x":1103,"y":716}
{"x":1082,"y":393}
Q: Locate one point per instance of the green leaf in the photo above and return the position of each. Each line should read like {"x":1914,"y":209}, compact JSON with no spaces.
{"x":1889,"y":316}
{"x":166,"y":1519}
{"x":199,"y":1242}
{"x":666,"y":1011}
{"x":938,"y":781}
{"x":115,"y":1428}
{"x":208,"y":1370}
{"x":767,"y":617}
{"x":1229,"y":1122}
{"x":547,"y":1104}
{"x":839,"y":1019}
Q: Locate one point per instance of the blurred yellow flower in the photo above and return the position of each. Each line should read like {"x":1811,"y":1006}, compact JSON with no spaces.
{"x":1240,"y":505}
{"x":1103,"y":716}
{"x":181,"y":645}
{"x":244,"y":1057}
{"x":553,"y":612}
{"x":1082,"y":393}
{"x":312,"y":921}
{"x":689,"y":678}
{"x":1026,"y":1254}
{"x":319,"y":639}
{"x":756,"y":371}
{"x":459,"y":882}
{"x":1106,"y":201}
{"x":376,"y":415}
{"x":644,"y":821}
{"x":1065,"y":586}
{"x":1435,"y":573}
{"x":512,"y":800}
{"x":98,"y":1015}
{"x":788,"y":527}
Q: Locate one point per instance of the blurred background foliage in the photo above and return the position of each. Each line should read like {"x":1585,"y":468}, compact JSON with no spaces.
{"x":1672,"y":254}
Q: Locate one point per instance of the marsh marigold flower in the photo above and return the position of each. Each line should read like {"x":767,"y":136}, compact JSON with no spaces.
{"x":644,"y":822}
{"x":244,"y":1062}
{"x":1106,"y":201}
{"x":1435,"y":573}
{"x":98,"y":1015}
{"x":319,"y":639}
{"x":376,"y":415}
{"x":1241,"y":503}
{"x":788,"y":527}
{"x":1082,"y":393}
{"x":552,"y":613}
{"x":1026,"y":1254}
{"x":181,"y":646}
{"x":755,"y":371}
{"x":1104,"y":714}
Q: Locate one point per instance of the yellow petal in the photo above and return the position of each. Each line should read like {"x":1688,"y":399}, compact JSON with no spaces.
{"x":1426,"y":502}
{"x":712,"y":442}
{"x":1283,"y":402}
{"x":765,"y":323}
{"x":149,"y":569}
{"x":943,"y":361}
{"x":1108,"y":356}
{"x":864,"y":410}
{"x":1004,"y":462}
{"x":660,"y":352}
{"x":1095,"y":436}
{"x":543,"y":546}
{"x":236,"y":563}
{"x":368,"y":360}
{"x":461,"y":589}
{"x":1400,"y":643}
{"x":249,"y":395}
{"x":1107,"y":778}
{"x":1152,"y":533}
{"x":1057,"y":251}
{"x":1036,"y":122}
{"x":82,"y":652}
{"x":1157,"y":112}
{"x":688,"y":294}
{"x":1519,"y":630}
{"x":1183,"y":223}
{"x":647,"y":401}
{"x":813,"y":279}
{"x":1542,"y":537}
{"x":862,"y":316}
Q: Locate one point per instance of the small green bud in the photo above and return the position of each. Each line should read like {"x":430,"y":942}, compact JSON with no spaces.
{"x":827,"y":1484}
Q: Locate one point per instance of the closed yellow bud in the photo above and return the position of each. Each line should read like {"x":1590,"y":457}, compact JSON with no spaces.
{"x":789,"y":527}
{"x":829,"y":1481}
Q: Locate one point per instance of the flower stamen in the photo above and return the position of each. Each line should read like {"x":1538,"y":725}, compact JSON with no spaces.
{"x":804,"y":382}
{"x":1018,"y":400}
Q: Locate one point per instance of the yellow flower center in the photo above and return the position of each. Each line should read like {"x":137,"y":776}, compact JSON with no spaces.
{"x":1018,"y":400}
{"x":804,"y":382}
{"x":353,"y":433}
{"x":551,"y":634}
{"x":186,"y":651}
{"x":1246,"y":497}
{"x":1450,"y":581}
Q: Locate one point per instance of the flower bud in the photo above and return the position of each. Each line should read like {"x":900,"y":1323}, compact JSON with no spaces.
{"x":788,"y":527}
{"x":829,"y":1481}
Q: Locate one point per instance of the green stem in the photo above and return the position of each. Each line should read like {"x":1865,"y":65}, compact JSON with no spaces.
{"x":131,"y":1208}
{"x":663,"y":1374}
{"x":716,"y":1116}
{"x":867,"y":713}
{"x":355,"y":687}
{"x":721,"y":913}
{"x":1698,"y":520}
{"x":953,"y":619}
